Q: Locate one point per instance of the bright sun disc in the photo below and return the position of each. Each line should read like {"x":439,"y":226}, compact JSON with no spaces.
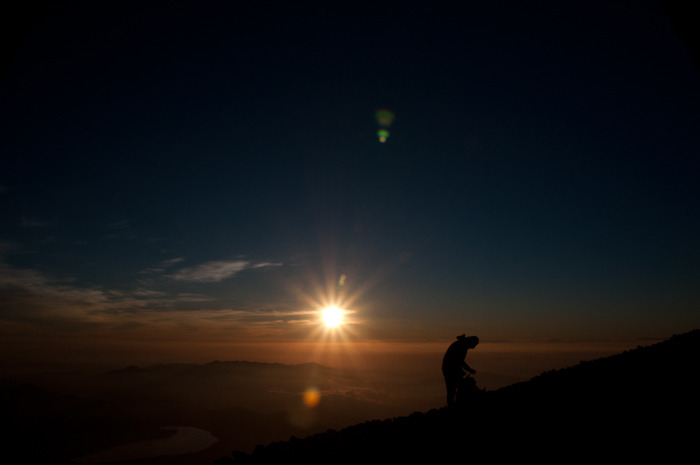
{"x":332,"y":317}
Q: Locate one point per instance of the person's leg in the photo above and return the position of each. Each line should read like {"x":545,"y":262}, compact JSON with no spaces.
{"x":451,"y":386}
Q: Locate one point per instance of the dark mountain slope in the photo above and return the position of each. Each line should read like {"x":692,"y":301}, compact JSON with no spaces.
{"x":40,"y":426}
{"x":641,"y":404}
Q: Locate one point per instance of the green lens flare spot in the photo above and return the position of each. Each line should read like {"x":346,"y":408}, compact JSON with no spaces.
{"x":384,"y":117}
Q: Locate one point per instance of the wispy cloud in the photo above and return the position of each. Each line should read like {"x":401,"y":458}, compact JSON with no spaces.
{"x":123,"y":224}
{"x":35,"y":223}
{"x":265,"y":264}
{"x":120,"y":230}
{"x":163,"y":265}
{"x":216,"y":271}
{"x":29,"y":295}
{"x":33,"y":299}
{"x":264,"y":315}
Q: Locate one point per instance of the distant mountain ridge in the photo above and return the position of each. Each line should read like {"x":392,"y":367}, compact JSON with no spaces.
{"x":228,"y":365}
{"x":641,"y":404}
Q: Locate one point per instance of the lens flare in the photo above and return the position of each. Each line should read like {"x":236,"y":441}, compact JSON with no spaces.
{"x":311,"y":397}
{"x":385,"y":118}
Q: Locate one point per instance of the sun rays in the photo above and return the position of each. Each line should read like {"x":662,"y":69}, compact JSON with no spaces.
{"x":335,"y":319}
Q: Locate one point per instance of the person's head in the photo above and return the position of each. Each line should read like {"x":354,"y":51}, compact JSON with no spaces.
{"x":470,"y":341}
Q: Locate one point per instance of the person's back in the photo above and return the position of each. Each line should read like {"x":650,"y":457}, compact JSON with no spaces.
{"x":455,"y":355}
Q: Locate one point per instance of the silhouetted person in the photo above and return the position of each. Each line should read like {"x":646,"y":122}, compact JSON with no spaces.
{"x":454,"y":365}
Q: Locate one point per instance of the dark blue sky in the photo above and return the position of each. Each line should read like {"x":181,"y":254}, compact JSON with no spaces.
{"x":175,"y":160}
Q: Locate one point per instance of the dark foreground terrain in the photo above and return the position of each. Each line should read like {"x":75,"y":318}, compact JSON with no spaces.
{"x":638,"y":405}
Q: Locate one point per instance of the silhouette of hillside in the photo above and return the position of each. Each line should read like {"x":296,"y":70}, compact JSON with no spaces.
{"x":638,"y":405}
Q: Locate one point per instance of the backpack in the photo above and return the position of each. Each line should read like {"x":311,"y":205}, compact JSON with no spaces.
{"x":465,"y":389}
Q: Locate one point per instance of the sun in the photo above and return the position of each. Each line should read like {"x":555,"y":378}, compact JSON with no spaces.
{"x":332,"y":316}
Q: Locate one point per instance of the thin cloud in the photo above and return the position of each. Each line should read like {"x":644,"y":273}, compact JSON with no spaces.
{"x":163,"y":265}
{"x":35,"y":223}
{"x":29,"y":295}
{"x":266,"y":264}
{"x":264,"y":315}
{"x":33,"y":299}
{"x":123,"y":224}
{"x":216,"y":271}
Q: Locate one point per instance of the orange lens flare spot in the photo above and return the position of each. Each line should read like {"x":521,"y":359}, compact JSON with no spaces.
{"x":311,"y":397}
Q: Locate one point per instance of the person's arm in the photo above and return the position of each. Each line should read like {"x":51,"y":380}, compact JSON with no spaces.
{"x":468,"y":368}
